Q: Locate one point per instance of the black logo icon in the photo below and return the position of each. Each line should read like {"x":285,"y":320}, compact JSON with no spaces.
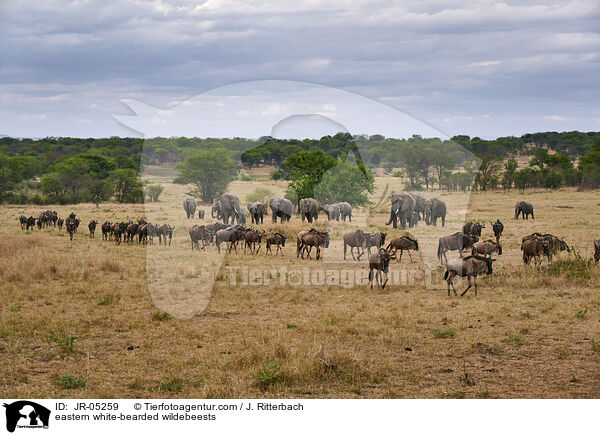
{"x":26,"y":414}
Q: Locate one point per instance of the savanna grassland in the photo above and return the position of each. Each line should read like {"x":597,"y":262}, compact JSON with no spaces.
{"x":87,"y":318}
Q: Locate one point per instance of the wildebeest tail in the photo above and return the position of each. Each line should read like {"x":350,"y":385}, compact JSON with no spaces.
{"x":446,"y":273}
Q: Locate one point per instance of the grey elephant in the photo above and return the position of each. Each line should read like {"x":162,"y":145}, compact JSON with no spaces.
{"x":333,"y":212}
{"x":403,"y":204}
{"x":415,"y":217}
{"x":257,"y":211}
{"x":241,"y":218}
{"x":189,"y":205}
{"x":345,"y":211}
{"x":309,"y":209}
{"x":230,"y":208}
{"x":281,"y":208}
{"x":215,"y":210}
{"x":525,"y":209}
{"x":435,"y":208}
{"x":420,"y":201}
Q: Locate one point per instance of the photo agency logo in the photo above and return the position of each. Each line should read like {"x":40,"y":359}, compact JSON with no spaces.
{"x":25,"y":414}
{"x":339,"y":190}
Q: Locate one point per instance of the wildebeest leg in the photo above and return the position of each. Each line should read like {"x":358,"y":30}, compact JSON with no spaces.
{"x":279,"y":250}
{"x":401,"y":252}
{"x":361,"y":253}
{"x":475,"y":279}
{"x":257,"y":250}
{"x":445,"y":258}
{"x":385,"y":282}
{"x":345,"y":246}
{"x":467,"y":289}
{"x":371,"y":277}
{"x":352,"y":252}
{"x":410,"y":256}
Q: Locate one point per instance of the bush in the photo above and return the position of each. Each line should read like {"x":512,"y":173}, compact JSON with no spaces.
{"x":153,"y":191}
{"x":261,"y":194}
{"x":244,"y":177}
{"x":277,"y":175}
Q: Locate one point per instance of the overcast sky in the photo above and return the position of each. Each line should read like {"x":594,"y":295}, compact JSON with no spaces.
{"x":482,"y":68}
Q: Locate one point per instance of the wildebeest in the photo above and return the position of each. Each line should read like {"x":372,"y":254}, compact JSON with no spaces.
{"x":534,"y":248}
{"x":252,"y":238}
{"x":374,"y":240}
{"x":106,"y":234}
{"x":555,"y":245}
{"x":498,"y":227}
{"x":404,"y":243}
{"x":276,"y":239}
{"x":30,"y":223}
{"x":230,"y":235}
{"x":473,"y":228}
{"x":355,"y":239}
{"x":379,"y":263}
{"x":455,"y":242}
{"x":118,"y":229}
{"x":131,"y":231}
{"x":39,"y":222}
{"x":163,"y":232}
{"x":92,"y":228}
{"x":200,"y":232}
{"x":71,"y":226}
{"x":60,"y":223}
{"x":597,"y":250}
{"x":316,"y":239}
{"x":23,"y":221}
{"x":525,"y":209}
{"x":486,"y":248}
{"x":146,"y":233}
{"x":299,"y":239}
{"x":471,"y":266}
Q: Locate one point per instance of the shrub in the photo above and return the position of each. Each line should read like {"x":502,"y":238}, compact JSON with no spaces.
{"x":153,"y":191}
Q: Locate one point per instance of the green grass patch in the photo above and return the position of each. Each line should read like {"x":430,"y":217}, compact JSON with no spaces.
{"x":110,"y":299}
{"x":443,"y":333}
{"x":160,"y":317}
{"x":174,"y":385}
{"x":70,"y":382}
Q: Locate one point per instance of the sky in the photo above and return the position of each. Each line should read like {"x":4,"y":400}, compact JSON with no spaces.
{"x":257,"y":67}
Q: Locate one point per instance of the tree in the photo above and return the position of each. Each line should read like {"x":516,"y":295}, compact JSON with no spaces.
{"x":442,"y":161}
{"x":153,"y":191}
{"x":508,"y":178}
{"x":261,"y":194}
{"x":347,"y":182}
{"x":209,"y":171}
{"x":306,"y":169}
{"x":487,"y":177}
{"x":127,"y":186}
{"x":11,"y":173}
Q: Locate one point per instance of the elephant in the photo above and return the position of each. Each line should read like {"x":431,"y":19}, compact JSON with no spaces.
{"x":230,"y":208}
{"x":525,"y":209}
{"x":242,"y":216}
{"x":403,"y":204}
{"x":189,"y":205}
{"x":257,"y":211}
{"x":420,"y":201}
{"x":215,"y":211}
{"x":309,"y":209}
{"x":333,"y":211}
{"x":281,"y":208}
{"x":415,"y":217}
{"x":435,"y":208}
{"x":345,"y":210}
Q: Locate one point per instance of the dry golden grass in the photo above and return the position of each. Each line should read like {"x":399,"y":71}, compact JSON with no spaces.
{"x":77,"y":307}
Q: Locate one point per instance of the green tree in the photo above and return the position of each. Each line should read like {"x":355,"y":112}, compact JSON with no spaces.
{"x":52,"y":186}
{"x":306,"y":169}
{"x":346,"y":182}
{"x":11,"y":173}
{"x":153,"y":192}
{"x":127,"y":186}
{"x":508,"y":177}
{"x":209,"y":171}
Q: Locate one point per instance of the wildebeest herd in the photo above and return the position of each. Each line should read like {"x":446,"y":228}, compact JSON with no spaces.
{"x":405,"y":209}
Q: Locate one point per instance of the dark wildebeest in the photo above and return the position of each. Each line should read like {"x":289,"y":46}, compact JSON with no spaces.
{"x":131,"y":231}
{"x":355,"y":239}
{"x":486,"y":248}
{"x":71,"y":226}
{"x":471,"y":266}
{"x":299,"y":239}
{"x":317,"y":239}
{"x":118,"y":229}
{"x":473,"y":228}
{"x":555,"y":244}
{"x":23,"y":221}
{"x":92,"y":228}
{"x":534,"y":248}
{"x":498,"y":227}
{"x":200,"y":232}
{"x":60,"y":223}
{"x":252,"y":238}
{"x":165,"y":231}
{"x":276,"y":240}
{"x":106,"y":230}
{"x":403,"y":243}
{"x":379,"y":263}
{"x":30,"y":223}
{"x":597,"y":250}
{"x":374,"y":240}
{"x":230,"y":235}
{"x":39,"y":222}
{"x":455,"y":242}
